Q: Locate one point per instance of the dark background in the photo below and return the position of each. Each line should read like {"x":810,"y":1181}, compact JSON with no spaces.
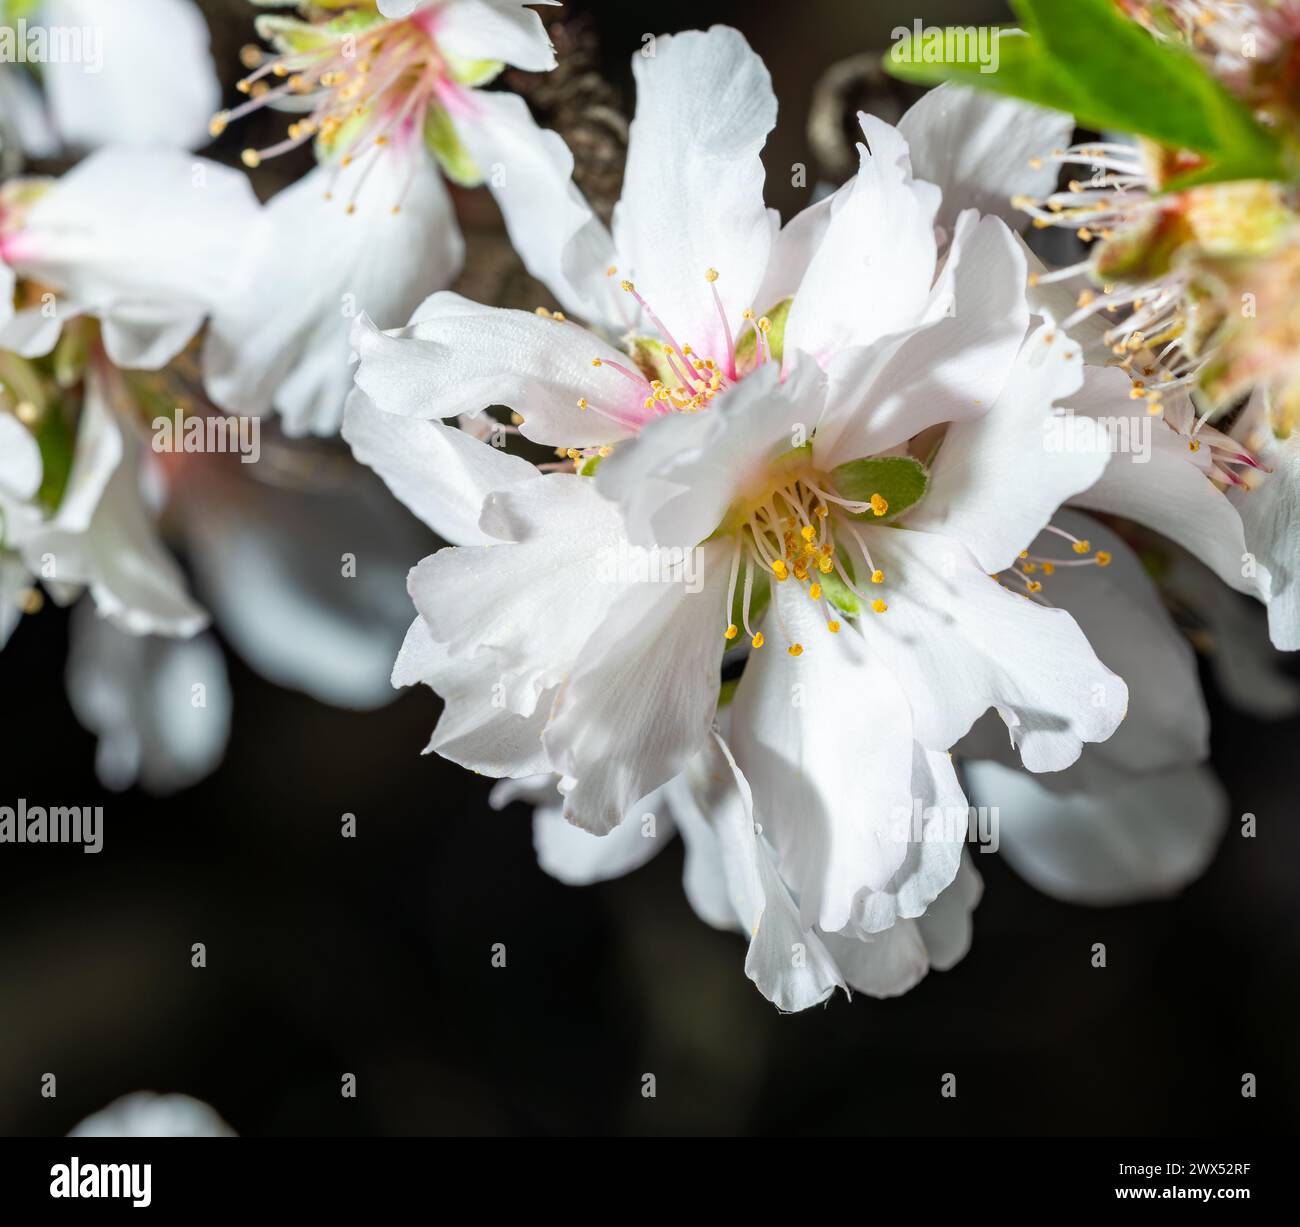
{"x":372,"y":956}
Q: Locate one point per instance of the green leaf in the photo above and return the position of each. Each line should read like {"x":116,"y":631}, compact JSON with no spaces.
{"x":900,"y":480}
{"x":745,"y":347}
{"x":445,"y":143}
{"x":1086,"y":58}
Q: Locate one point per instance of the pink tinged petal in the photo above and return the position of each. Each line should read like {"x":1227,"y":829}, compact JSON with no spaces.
{"x":505,"y":30}
{"x":156,"y":87}
{"x":459,"y":358}
{"x":872,"y":272}
{"x":998,"y":479}
{"x":530,"y":172}
{"x":639,"y":703}
{"x":959,"y":643}
{"x":279,"y":338}
{"x":826,"y":740}
{"x":982,"y":149}
{"x":442,"y":474}
{"x":693,"y":189}
{"x":533,"y":603}
{"x":1104,"y":837}
{"x":951,"y":366}
{"x":677,"y":478}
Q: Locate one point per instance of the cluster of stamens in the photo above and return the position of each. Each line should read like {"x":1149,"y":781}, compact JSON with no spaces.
{"x":367,"y":89}
{"x":1025,"y":572}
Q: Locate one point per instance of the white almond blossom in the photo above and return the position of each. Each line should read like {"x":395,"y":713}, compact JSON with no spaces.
{"x":389,"y":99}
{"x":759,"y":444}
{"x":130,"y":72}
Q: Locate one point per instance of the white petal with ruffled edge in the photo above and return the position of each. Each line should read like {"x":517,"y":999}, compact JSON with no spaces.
{"x":459,"y":358}
{"x":959,"y":643}
{"x":505,"y":30}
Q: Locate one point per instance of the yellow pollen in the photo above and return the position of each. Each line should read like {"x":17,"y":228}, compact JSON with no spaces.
{"x":879,"y":505}
{"x":627,"y":286}
{"x":796,"y":649}
{"x":879,"y":606}
{"x":1103,"y":558}
{"x":217,"y":124}
{"x":1082,"y":547}
{"x":732,"y":631}
{"x":582,"y":402}
{"x":1030,"y":568}
{"x":815,"y":591}
{"x":1049,"y":568}
{"x":251,"y":158}
{"x":833,"y":627}
{"x":807,"y":532}
{"x":757,"y":640}
{"x":747,"y":314}
{"x":1034,"y":586}
{"x":877,"y":576}
{"x":765,"y":325}
{"x":711,"y":274}
{"x":780,"y":570}
{"x":1194,"y":445}
{"x":825,"y":565}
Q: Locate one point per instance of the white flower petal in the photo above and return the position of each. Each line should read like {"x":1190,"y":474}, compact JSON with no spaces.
{"x":460,"y":358}
{"x":280,"y":338}
{"x":530,"y":172}
{"x":826,"y":740}
{"x":533,"y":603}
{"x":21,"y":468}
{"x":147,"y":241}
{"x":146,"y":1115}
{"x":1270,"y":515}
{"x":886,"y":964}
{"x":693,"y":189}
{"x":639,"y":704}
{"x":137,"y":695}
{"x":976,"y":147}
{"x":946,"y":925}
{"x":157,"y":85}
{"x":1118,"y":839}
{"x":579,"y":858}
{"x":998,"y":479}
{"x":959,"y":643}
{"x":440,"y":473}
{"x":951,"y":363}
{"x":872,"y":272}
{"x":493,"y":30}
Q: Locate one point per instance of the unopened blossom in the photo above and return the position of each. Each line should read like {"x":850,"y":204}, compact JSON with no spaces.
{"x":391,"y":99}
{"x":760,"y":423}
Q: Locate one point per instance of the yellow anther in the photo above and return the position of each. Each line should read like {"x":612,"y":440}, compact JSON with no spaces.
{"x":1034,"y":586}
{"x":879,"y":606}
{"x":611,"y":270}
{"x":779,"y":569}
{"x":1033,"y":280}
{"x":711,"y":274}
{"x":833,"y":627}
{"x":815,"y":591}
{"x":757,"y":640}
{"x":877,"y":576}
{"x":747,"y":314}
{"x":582,"y":402}
{"x":796,"y":649}
{"x":828,"y":549}
{"x":825,"y":565}
{"x":821,"y":512}
{"x":1035,"y":163}
{"x":732,"y":631}
{"x":626,"y":285}
{"x":1049,"y":568}
{"x":807,"y":532}
{"x":1103,"y":558}
{"x":765,"y":325}
{"x":217,"y":124}
{"x":1030,"y":568}
{"x":251,"y":158}
{"x":1082,"y":547}
{"x":250,"y":55}
{"x":1193,"y":445}
{"x":879,"y":505}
